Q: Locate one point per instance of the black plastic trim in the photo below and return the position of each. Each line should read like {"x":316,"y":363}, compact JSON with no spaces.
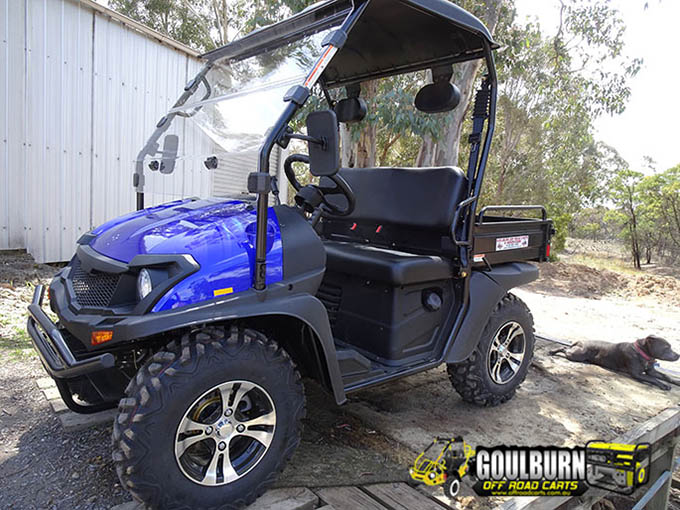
{"x":337,"y":38}
{"x":56,"y":357}
{"x":297,"y":94}
{"x":177,"y":267}
{"x":91,"y":259}
{"x":487,"y":288}
{"x":291,"y":297}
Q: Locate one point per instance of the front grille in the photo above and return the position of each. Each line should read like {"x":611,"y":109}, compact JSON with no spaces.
{"x":331,"y":296}
{"x":95,"y":289}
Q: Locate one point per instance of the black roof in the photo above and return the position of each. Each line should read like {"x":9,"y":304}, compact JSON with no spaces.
{"x":390,"y":37}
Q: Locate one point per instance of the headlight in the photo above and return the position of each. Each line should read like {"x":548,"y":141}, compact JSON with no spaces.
{"x":144,"y":284}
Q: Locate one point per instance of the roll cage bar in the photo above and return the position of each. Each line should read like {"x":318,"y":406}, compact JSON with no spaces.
{"x":484,"y":114}
{"x":375,"y":39}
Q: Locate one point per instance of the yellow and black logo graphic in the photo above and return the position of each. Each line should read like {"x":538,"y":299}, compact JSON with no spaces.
{"x":539,"y":471}
{"x":444,"y":462}
{"x":617,"y":467}
{"x":533,"y":471}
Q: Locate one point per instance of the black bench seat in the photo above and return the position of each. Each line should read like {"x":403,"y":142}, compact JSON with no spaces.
{"x":394,"y":267}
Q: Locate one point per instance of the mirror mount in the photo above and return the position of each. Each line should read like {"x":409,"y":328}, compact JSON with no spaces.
{"x":309,"y":139}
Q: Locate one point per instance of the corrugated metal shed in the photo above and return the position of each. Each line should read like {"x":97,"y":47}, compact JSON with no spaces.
{"x":80,"y":91}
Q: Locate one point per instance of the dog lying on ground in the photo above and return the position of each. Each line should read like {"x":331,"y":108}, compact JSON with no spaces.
{"x":633,"y":358}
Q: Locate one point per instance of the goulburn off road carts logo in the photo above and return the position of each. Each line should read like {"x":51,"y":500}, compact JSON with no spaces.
{"x":533,"y":471}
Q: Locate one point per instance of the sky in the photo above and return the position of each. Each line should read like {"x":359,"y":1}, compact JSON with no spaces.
{"x":648,"y":127}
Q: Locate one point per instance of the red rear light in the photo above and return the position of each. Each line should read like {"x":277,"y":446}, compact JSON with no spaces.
{"x":547,"y":251}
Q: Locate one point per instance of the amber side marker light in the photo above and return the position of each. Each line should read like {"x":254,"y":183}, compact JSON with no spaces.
{"x":99,"y":337}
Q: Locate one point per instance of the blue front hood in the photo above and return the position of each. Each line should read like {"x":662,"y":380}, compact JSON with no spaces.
{"x":218,"y":234}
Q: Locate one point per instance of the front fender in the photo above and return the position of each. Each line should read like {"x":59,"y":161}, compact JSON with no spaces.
{"x":292,"y":298}
{"x":303,"y":307}
{"x":487,"y":288}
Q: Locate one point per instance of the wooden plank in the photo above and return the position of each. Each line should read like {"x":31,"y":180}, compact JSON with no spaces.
{"x":666,"y":463}
{"x":45,"y":382}
{"x":51,"y":393}
{"x":400,"y":496}
{"x":130,"y":505}
{"x":654,"y":430}
{"x":58,"y":405}
{"x":296,"y":498}
{"x":74,"y":421}
{"x":348,"y":498}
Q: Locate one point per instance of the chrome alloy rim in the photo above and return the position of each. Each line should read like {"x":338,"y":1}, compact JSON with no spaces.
{"x":506,"y":353}
{"x":225,"y":433}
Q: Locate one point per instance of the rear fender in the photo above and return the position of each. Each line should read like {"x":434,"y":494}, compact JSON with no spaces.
{"x":487,"y":288}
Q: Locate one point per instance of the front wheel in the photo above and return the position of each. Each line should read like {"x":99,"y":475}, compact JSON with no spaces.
{"x":452,"y":486}
{"x":500,"y":363}
{"x":210,"y":423}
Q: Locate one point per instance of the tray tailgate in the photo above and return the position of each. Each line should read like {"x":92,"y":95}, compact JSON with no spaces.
{"x":504,"y":239}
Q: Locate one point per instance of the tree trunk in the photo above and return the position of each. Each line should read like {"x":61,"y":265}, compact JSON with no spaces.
{"x":365,"y":150}
{"x":448,"y":146}
{"x":449,"y":143}
{"x":426,"y":152}
{"x":347,"y":147}
{"x":366,"y":147}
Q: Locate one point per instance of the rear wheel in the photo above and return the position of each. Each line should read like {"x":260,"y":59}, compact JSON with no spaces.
{"x":501,"y":360}
{"x":210,"y":423}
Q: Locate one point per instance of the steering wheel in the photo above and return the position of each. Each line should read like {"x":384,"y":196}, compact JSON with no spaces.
{"x":341,"y":187}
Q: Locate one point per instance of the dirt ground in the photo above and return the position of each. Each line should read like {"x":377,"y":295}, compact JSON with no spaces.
{"x":377,"y":434}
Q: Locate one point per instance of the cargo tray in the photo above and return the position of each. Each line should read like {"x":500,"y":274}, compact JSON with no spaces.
{"x":500,"y":239}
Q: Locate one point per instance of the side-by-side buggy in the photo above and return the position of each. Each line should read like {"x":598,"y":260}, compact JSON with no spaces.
{"x":197,"y":318}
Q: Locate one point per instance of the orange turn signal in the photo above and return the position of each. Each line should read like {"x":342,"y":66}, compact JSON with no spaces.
{"x":99,"y":337}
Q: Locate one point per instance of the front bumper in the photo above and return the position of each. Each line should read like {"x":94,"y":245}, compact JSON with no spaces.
{"x":54,"y":353}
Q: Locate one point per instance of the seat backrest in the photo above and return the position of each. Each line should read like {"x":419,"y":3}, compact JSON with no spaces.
{"x":416,"y":198}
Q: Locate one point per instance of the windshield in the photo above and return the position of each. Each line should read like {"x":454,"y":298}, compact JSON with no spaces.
{"x":222,"y":124}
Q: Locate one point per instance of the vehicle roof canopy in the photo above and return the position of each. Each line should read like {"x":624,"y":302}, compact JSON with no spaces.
{"x":390,"y":37}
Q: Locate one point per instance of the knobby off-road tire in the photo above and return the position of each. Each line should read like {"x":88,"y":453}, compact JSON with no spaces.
{"x":476,"y":379}
{"x":162,"y":395}
{"x":452,"y":486}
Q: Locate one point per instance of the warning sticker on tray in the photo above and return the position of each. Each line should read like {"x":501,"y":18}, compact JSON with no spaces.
{"x":511,"y":243}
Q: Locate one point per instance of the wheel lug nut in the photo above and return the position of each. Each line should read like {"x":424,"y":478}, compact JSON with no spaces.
{"x":240,"y":428}
{"x":222,"y":446}
{"x":209,"y":430}
{"x":228,"y":412}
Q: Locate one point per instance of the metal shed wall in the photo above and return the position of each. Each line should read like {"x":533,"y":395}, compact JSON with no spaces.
{"x":80,"y":91}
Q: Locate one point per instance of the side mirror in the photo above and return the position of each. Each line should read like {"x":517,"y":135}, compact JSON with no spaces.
{"x":170,"y":147}
{"x":324,"y":155}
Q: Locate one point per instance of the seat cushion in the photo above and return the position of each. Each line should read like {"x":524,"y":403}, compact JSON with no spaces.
{"x":394,"y":267}
{"x":417,"y":198}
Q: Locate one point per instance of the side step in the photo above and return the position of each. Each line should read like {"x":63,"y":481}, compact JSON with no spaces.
{"x":355,"y":367}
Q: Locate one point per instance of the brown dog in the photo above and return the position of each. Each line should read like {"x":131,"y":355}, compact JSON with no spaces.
{"x":633,"y":358}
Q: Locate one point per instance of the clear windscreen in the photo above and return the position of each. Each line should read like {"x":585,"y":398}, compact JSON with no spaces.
{"x":223,"y":123}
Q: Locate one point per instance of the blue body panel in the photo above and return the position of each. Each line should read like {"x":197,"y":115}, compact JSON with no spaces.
{"x":218,"y":234}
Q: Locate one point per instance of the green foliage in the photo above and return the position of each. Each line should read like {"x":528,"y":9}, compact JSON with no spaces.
{"x":561,"y":222}
{"x":206,"y":24}
{"x":173,"y":18}
{"x":647,"y":213}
